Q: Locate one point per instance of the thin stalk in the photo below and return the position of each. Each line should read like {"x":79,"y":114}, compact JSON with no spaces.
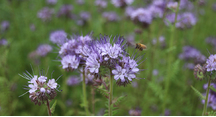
{"x":48,"y":108}
{"x":170,"y":59}
{"x":206,"y":99}
{"x":110,"y":92}
{"x":84,"y":93}
{"x":93,"y":100}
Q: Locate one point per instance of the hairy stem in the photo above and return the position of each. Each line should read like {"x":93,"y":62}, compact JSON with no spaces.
{"x":84,"y":93}
{"x":48,"y":108}
{"x":206,"y":99}
{"x":170,"y":59}
{"x":110,"y":93}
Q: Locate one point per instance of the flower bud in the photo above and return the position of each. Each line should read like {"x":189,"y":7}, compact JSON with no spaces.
{"x":199,"y":72}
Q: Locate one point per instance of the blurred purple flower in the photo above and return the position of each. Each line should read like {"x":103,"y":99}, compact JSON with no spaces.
{"x":80,"y":2}
{"x":85,"y":16}
{"x":32,"y":27}
{"x":45,"y":14}
{"x":211,"y":97}
{"x":43,"y":49}
{"x":58,"y":37}
{"x":156,"y":12}
{"x":135,"y":112}
{"x":110,"y":16}
{"x":65,"y":11}
{"x":101,"y":3}
{"x":121,"y":3}
{"x":5,"y":25}
{"x":211,"y":63}
{"x":51,"y":2}
{"x":129,"y":10}
{"x":214,"y":6}
{"x":3,"y":42}
{"x":73,"y":80}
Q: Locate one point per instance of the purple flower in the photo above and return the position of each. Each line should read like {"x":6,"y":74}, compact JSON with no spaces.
{"x":51,"y":2}
{"x":142,"y":15}
{"x":4,"y":25}
{"x":85,"y":16}
{"x":45,"y":14}
{"x":52,"y":84}
{"x":3,"y":42}
{"x":135,"y":112}
{"x":92,"y":63}
{"x":70,"y":61}
{"x":119,"y":73}
{"x":73,"y":80}
{"x":129,"y":10}
{"x":80,"y":2}
{"x":211,"y":97}
{"x":121,"y":3}
{"x":65,"y":11}
{"x":156,"y":12}
{"x":211,"y":63}
{"x":101,"y":3}
{"x":44,"y":49}
{"x":110,"y":16}
{"x":58,"y":37}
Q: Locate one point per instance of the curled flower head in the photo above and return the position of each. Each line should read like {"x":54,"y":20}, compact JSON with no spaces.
{"x":39,"y":89}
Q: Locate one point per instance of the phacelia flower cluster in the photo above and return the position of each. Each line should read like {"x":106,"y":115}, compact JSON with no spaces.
{"x":43,"y":49}
{"x":110,"y":16}
{"x":65,"y":11}
{"x":58,"y":37}
{"x":40,"y":88}
{"x":211,"y":97}
{"x":98,"y":56}
{"x":5,"y":25}
{"x":101,"y":3}
{"x":211,"y":63}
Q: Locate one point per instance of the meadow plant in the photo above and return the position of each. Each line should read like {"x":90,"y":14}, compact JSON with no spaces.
{"x":41,"y":90}
{"x":45,"y":14}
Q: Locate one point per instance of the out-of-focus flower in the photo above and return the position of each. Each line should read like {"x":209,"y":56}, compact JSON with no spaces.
{"x":110,"y":16}
{"x":130,"y":40}
{"x":58,"y":37}
{"x":155,"y":72}
{"x":40,"y":90}
{"x":156,"y":12}
{"x":211,"y":97}
{"x":5,"y":25}
{"x":65,"y":11}
{"x":172,"y":5}
{"x":101,"y":3}
{"x":121,"y":3}
{"x":80,"y":2}
{"x":51,"y":2}
{"x":214,"y":6}
{"x":3,"y":42}
{"x":73,"y":80}
{"x":43,"y":49}
{"x":45,"y":14}
{"x":32,"y":27}
{"x":129,"y":10}
{"x":190,"y":53}
{"x":135,"y":112}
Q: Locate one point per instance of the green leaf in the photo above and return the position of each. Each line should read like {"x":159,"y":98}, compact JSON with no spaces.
{"x":212,"y":88}
{"x":120,"y":99}
{"x":104,"y":92}
{"x":158,"y":91}
{"x":198,"y":93}
{"x":53,"y":107}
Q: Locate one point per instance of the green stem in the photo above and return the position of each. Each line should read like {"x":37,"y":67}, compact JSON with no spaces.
{"x":84,"y":93}
{"x":170,"y":59}
{"x":206,"y":99}
{"x":110,"y":92}
{"x":48,"y":108}
{"x":93,"y":100}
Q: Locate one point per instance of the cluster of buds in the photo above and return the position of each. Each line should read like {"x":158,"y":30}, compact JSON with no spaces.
{"x":40,"y":90}
{"x":199,"y":72}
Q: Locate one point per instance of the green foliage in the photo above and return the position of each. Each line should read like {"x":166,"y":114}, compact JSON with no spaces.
{"x":158,"y":91}
{"x":53,"y":107}
{"x":104,"y":92}
{"x":198,"y":93}
{"x":211,"y":113}
{"x":212,"y":88}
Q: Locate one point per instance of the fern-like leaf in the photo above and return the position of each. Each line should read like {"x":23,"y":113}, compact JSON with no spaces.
{"x":53,"y":107}
{"x":198,"y":93}
{"x":120,"y":99}
{"x":158,"y":91}
{"x":212,"y":88}
{"x":211,"y":113}
{"x":104,"y":92}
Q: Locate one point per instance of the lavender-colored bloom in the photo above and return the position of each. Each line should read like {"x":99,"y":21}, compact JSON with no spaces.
{"x":58,"y":37}
{"x":70,"y":61}
{"x":134,"y":84}
{"x":135,"y":112}
{"x":167,"y":112}
{"x":85,"y":16}
{"x":130,"y":40}
{"x":110,"y":16}
{"x":73,"y":80}
{"x":3,"y":42}
{"x":129,"y":10}
{"x":171,"y":19}
{"x":155,"y":72}
{"x":119,"y":73}
{"x":44,"y":49}
{"x":4,"y":25}
{"x":211,"y":63}
{"x":121,"y":3}
{"x":80,"y":2}
{"x":211,"y":97}
{"x":192,"y":53}
{"x":101,"y":3}
{"x":45,"y":14}
{"x":172,"y":5}
{"x":142,"y":15}
{"x":189,"y":66}
{"x":42,"y":79}
{"x":51,"y":2}
{"x":52,"y":84}
{"x":32,"y":27}
{"x":92,"y":63}
{"x":214,"y":6}
{"x":156,"y":11}
{"x":159,"y":3}
{"x":65,"y":11}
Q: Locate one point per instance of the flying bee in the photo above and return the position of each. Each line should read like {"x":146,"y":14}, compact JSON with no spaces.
{"x":140,"y":46}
